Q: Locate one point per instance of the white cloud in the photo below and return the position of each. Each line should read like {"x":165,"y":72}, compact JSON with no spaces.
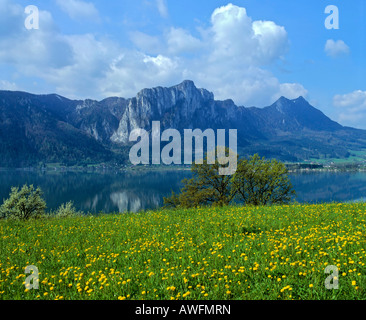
{"x":132,"y":71}
{"x":32,"y":51}
{"x":146,"y":43}
{"x":355,"y":100}
{"x":91,"y":61}
{"x":236,"y":50}
{"x":229,"y":57}
{"x":181,"y":41}
{"x":163,"y":8}
{"x":6,"y":85}
{"x":351,"y":108}
{"x":78,"y":9}
{"x":272,"y":40}
{"x":237,"y":37}
{"x":291,"y":91}
{"x":336,"y":48}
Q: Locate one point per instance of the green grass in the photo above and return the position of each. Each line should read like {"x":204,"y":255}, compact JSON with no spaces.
{"x":226,"y":253}
{"x":356,"y":156}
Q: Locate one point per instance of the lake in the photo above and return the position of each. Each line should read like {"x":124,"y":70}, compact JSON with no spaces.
{"x":134,"y":191}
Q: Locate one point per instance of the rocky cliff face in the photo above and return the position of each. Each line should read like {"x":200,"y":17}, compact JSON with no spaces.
{"x":182,"y":107}
{"x":175,"y":107}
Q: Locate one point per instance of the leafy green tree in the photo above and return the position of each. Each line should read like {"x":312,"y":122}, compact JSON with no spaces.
{"x":206,"y":187}
{"x":262,"y":182}
{"x":256,"y":182}
{"x":23,"y":204}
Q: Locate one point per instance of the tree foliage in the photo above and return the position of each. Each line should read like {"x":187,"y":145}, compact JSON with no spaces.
{"x":206,"y":187}
{"x":262,"y":182}
{"x":256,"y":182}
{"x":23,"y":204}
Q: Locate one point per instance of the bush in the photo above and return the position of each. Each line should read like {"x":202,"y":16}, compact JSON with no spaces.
{"x":23,"y":204}
{"x":67,"y":210}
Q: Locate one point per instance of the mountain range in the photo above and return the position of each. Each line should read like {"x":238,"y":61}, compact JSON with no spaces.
{"x":50,"y":128}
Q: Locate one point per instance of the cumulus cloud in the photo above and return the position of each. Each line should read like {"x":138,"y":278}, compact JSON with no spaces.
{"x":79,"y":10}
{"x":91,"y":61}
{"x":237,"y":49}
{"x":236,"y":36}
{"x":132,"y":71}
{"x":229,"y":57}
{"x":356,"y":99}
{"x":163,"y":8}
{"x":146,"y":43}
{"x":181,"y":41}
{"x":351,"y":108}
{"x":291,"y":91}
{"x":6,"y":85}
{"x":32,"y":51}
{"x":336,"y":48}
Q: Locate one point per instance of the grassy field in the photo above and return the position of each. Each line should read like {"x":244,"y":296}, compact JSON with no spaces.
{"x":356,"y":157}
{"x":218,"y":253}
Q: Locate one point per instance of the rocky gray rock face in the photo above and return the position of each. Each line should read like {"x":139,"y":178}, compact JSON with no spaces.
{"x":175,"y":107}
{"x":182,"y":107}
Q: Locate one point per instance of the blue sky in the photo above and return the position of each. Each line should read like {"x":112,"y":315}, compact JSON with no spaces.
{"x":251,"y":51}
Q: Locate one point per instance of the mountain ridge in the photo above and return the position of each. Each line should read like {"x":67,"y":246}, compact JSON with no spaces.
{"x":52,"y":128}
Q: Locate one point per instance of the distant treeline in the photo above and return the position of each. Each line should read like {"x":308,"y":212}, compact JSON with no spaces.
{"x":334,"y":166}
{"x":299,"y":166}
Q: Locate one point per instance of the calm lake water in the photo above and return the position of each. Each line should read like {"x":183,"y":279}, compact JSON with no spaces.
{"x":135,"y":191}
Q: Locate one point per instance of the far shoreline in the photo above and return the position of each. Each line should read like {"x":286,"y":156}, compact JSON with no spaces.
{"x":97,"y":168}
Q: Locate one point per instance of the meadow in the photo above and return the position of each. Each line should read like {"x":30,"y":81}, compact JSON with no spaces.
{"x":229,"y":253}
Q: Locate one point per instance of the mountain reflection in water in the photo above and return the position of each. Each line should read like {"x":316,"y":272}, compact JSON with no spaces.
{"x":135,"y":191}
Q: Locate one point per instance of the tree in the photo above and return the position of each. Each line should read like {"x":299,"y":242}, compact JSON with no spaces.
{"x":262,"y":182}
{"x":24,"y":204}
{"x":206,"y":187}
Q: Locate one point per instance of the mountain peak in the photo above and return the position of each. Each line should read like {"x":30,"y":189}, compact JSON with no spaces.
{"x":300,"y":98}
{"x":189,"y":87}
{"x":301,"y":114}
{"x":283,"y":99}
{"x":187,"y":83}
{"x":283,"y":103}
